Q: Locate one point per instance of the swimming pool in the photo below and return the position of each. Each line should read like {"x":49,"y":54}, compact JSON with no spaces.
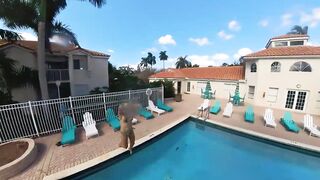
{"x":194,"y":151}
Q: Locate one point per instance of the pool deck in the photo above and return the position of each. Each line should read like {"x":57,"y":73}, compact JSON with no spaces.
{"x":54,"y":158}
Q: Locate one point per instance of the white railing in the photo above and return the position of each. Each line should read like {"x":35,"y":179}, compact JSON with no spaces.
{"x":58,"y":75}
{"x":37,"y":118}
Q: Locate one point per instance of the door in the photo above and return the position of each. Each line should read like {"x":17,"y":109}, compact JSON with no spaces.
{"x":296,"y":100}
{"x":179,"y":87}
{"x":188,"y":86}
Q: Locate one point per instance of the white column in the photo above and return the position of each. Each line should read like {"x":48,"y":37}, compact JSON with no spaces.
{"x":70,"y":67}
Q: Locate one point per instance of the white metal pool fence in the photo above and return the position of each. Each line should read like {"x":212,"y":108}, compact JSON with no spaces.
{"x":36,"y":118}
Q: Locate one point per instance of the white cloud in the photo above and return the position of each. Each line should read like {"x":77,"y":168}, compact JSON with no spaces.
{"x":312,"y":19}
{"x":200,"y":41}
{"x":153,"y":50}
{"x":286,"y":19}
{"x":312,"y":43}
{"x":207,"y":60}
{"x":167,"y":39}
{"x":110,"y":51}
{"x":264,"y":23}
{"x":224,"y":35}
{"x":28,"y":36}
{"x":242,"y":52}
{"x":234,"y":25}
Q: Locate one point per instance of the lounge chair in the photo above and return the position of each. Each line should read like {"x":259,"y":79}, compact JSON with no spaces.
{"x":204,"y":106}
{"x":269,"y":118}
{"x":144,"y":113}
{"x":288,"y":123}
{"x":89,"y":125}
{"x":249,"y":114}
{"x":154,"y":108}
{"x":310,"y":126}
{"x":228,"y":110}
{"x":215,"y":109}
{"x":68,"y":131}
{"x":112,"y":119}
{"x":163,"y":106}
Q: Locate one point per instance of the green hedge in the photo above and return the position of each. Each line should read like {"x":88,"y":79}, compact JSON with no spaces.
{"x":168,"y":87}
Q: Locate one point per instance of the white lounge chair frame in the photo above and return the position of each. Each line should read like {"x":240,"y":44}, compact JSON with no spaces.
{"x":228,"y":110}
{"x":269,"y":118}
{"x":154,"y":108}
{"x":89,"y":125}
{"x":308,"y":125}
{"x":204,"y":105}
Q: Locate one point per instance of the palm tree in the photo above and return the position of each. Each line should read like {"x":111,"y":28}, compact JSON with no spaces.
{"x":163,"y":57}
{"x":299,"y":30}
{"x":39,"y":15}
{"x":144,"y":62}
{"x":151,"y":59}
{"x":12,"y":77}
{"x":182,"y":62}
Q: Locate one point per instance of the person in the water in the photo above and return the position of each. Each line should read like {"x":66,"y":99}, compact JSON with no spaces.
{"x":126,"y":112}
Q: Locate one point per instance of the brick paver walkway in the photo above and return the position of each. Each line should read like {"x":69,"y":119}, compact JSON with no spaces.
{"x":54,"y":158}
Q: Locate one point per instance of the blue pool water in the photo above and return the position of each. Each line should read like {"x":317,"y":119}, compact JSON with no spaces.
{"x":190,"y":152}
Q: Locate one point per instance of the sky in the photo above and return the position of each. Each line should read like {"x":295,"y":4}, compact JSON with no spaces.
{"x":209,"y":32}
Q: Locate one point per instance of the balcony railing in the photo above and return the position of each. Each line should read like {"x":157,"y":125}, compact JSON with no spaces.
{"x":58,"y":75}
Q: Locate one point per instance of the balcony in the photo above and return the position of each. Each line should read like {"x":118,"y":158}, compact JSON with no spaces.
{"x":58,"y":75}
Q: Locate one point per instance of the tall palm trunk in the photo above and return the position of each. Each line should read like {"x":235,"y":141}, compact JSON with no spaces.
{"x":41,"y":51}
{"x":163,"y":65}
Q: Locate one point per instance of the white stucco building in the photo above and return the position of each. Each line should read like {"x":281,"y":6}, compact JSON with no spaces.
{"x":285,"y":76}
{"x":77,"y":69}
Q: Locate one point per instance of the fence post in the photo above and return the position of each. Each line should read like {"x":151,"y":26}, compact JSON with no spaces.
{"x":104,"y":101}
{"x":162,"y":93}
{"x":71,"y":106}
{"x":33,"y":119}
{"x":129,"y":95}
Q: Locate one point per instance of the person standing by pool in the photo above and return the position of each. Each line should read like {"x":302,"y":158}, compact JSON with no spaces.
{"x":126,"y":112}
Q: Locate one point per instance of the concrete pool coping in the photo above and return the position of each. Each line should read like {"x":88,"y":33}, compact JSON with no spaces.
{"x":93,"y":162}
{"x":264,"y":136}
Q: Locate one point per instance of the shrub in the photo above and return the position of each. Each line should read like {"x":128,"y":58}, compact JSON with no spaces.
{"x":168,"y":87}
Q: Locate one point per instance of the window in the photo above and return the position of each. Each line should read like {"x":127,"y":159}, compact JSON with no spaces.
{"x":296,"y":100}
{"x":275,"y":67}
{"x":251,"y":92}
{"x":254,"y":67}
{"x":80,"y":64}
{"x":272,"y":94}
{"x":277,"y":44}
{"x":188,"y":86}
{"x":318,"y":100}
{"x":301,"y":66}
{"x":296,"y":43}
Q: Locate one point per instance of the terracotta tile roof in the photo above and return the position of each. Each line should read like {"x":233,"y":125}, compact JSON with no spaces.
{"x":287,"y":51}
{"x":217,"y":73}
{"x":55,"y":48}
{"x":290,"y":36}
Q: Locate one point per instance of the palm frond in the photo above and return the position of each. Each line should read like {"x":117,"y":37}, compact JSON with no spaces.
{"x":97,"y":3}
{"x":9,"y":35}
{"x":17,"y":14}
{"x":63,"y":31}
